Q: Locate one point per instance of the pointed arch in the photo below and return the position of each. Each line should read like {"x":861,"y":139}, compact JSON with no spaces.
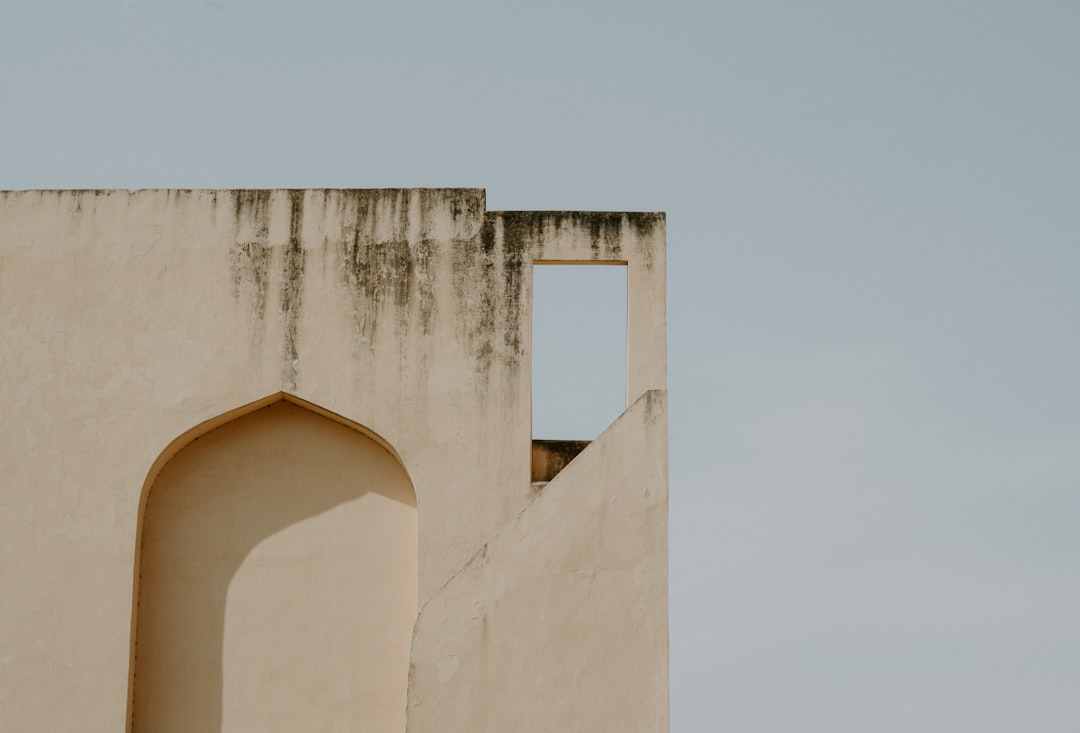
{"x":275,"y":576}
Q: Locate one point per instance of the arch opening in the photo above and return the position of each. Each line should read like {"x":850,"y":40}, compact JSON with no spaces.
{"x":276,"y":579}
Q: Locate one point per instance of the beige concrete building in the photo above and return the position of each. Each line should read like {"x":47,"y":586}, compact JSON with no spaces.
{"x":267,"y":465}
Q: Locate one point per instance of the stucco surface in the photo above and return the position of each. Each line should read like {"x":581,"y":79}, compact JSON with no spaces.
{"x":133,"y":322}
{"x":560,"y":621}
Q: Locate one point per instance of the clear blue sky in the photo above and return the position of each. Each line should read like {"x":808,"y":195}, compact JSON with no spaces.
{"x":874,"y":260}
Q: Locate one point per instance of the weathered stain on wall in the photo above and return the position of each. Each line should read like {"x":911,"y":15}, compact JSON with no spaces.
{"x":250,"y":256}
{"x":489,"y":276}
{"x":292,"y":288}
{"x":548,"y":234}
{"x":389,"y":267}
{"x":383,"y":272}
{"x":251,"y":273}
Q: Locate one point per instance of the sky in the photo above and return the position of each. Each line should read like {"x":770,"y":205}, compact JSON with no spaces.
{"x":873,"y":248}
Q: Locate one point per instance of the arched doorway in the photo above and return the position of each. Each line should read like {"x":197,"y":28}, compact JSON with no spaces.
{"x":277,"y":581}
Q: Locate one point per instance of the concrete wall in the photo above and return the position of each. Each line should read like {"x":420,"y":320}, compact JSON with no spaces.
{"x":132,"y":323}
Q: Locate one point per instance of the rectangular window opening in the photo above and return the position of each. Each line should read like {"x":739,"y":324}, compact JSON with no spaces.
{"x":579,"y":359}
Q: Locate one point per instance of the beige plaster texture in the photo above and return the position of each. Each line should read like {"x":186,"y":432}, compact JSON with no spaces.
{"x":559,"y":622}
{"x":248,"y":434}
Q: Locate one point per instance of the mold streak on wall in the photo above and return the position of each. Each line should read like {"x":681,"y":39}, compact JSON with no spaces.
{"x":292,"y":288}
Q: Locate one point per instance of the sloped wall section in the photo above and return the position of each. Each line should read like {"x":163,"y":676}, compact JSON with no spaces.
{"x":559,"y":623}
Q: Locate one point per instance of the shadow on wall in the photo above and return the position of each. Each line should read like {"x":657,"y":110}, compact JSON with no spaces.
{"x":277,"y":587}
